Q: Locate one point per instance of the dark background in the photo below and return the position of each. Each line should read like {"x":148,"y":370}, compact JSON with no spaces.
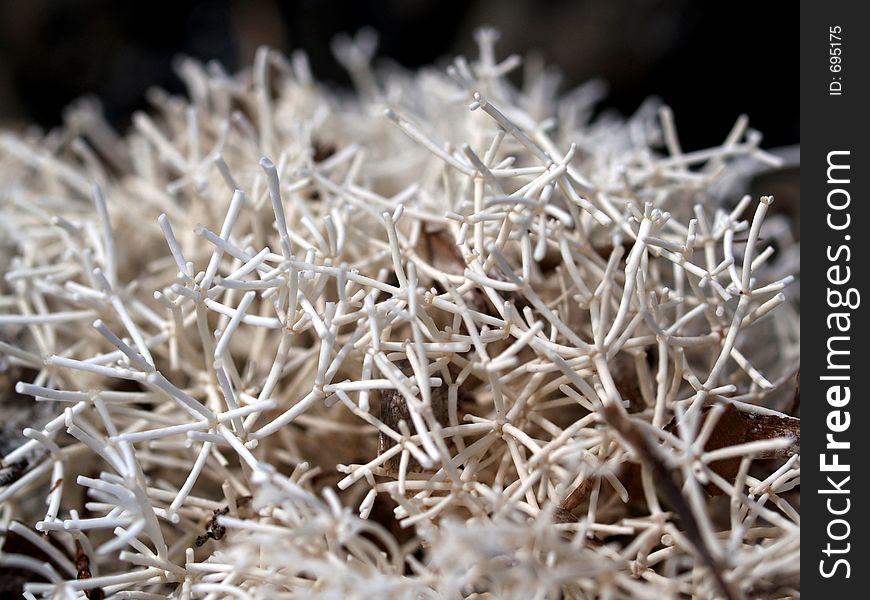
{"x":709,"y":60}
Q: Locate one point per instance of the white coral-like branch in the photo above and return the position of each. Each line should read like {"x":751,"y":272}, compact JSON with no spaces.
{"x":293,"y":347}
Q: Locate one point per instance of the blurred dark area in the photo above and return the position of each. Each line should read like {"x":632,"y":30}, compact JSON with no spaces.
{"x":710,"y":61}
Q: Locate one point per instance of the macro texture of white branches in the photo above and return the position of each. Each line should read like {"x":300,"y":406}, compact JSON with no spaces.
{"x":443,"y":338}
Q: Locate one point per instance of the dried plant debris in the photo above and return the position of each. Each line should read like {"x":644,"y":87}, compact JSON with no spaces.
{"x":442,"y":252}
{"x":83,"y":568}
{"x":12,"y":471}
{"x":399,"y":413}
{"x":213,"y":528}
{"x":733,"y":427}
{"x":450,"y":337}
{"x":669,"y":491}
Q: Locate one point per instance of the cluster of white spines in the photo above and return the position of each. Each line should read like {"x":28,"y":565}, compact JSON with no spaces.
{"x":258,"y":375}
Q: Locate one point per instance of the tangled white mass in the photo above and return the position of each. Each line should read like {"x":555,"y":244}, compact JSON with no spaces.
{"x":278,"y":342}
